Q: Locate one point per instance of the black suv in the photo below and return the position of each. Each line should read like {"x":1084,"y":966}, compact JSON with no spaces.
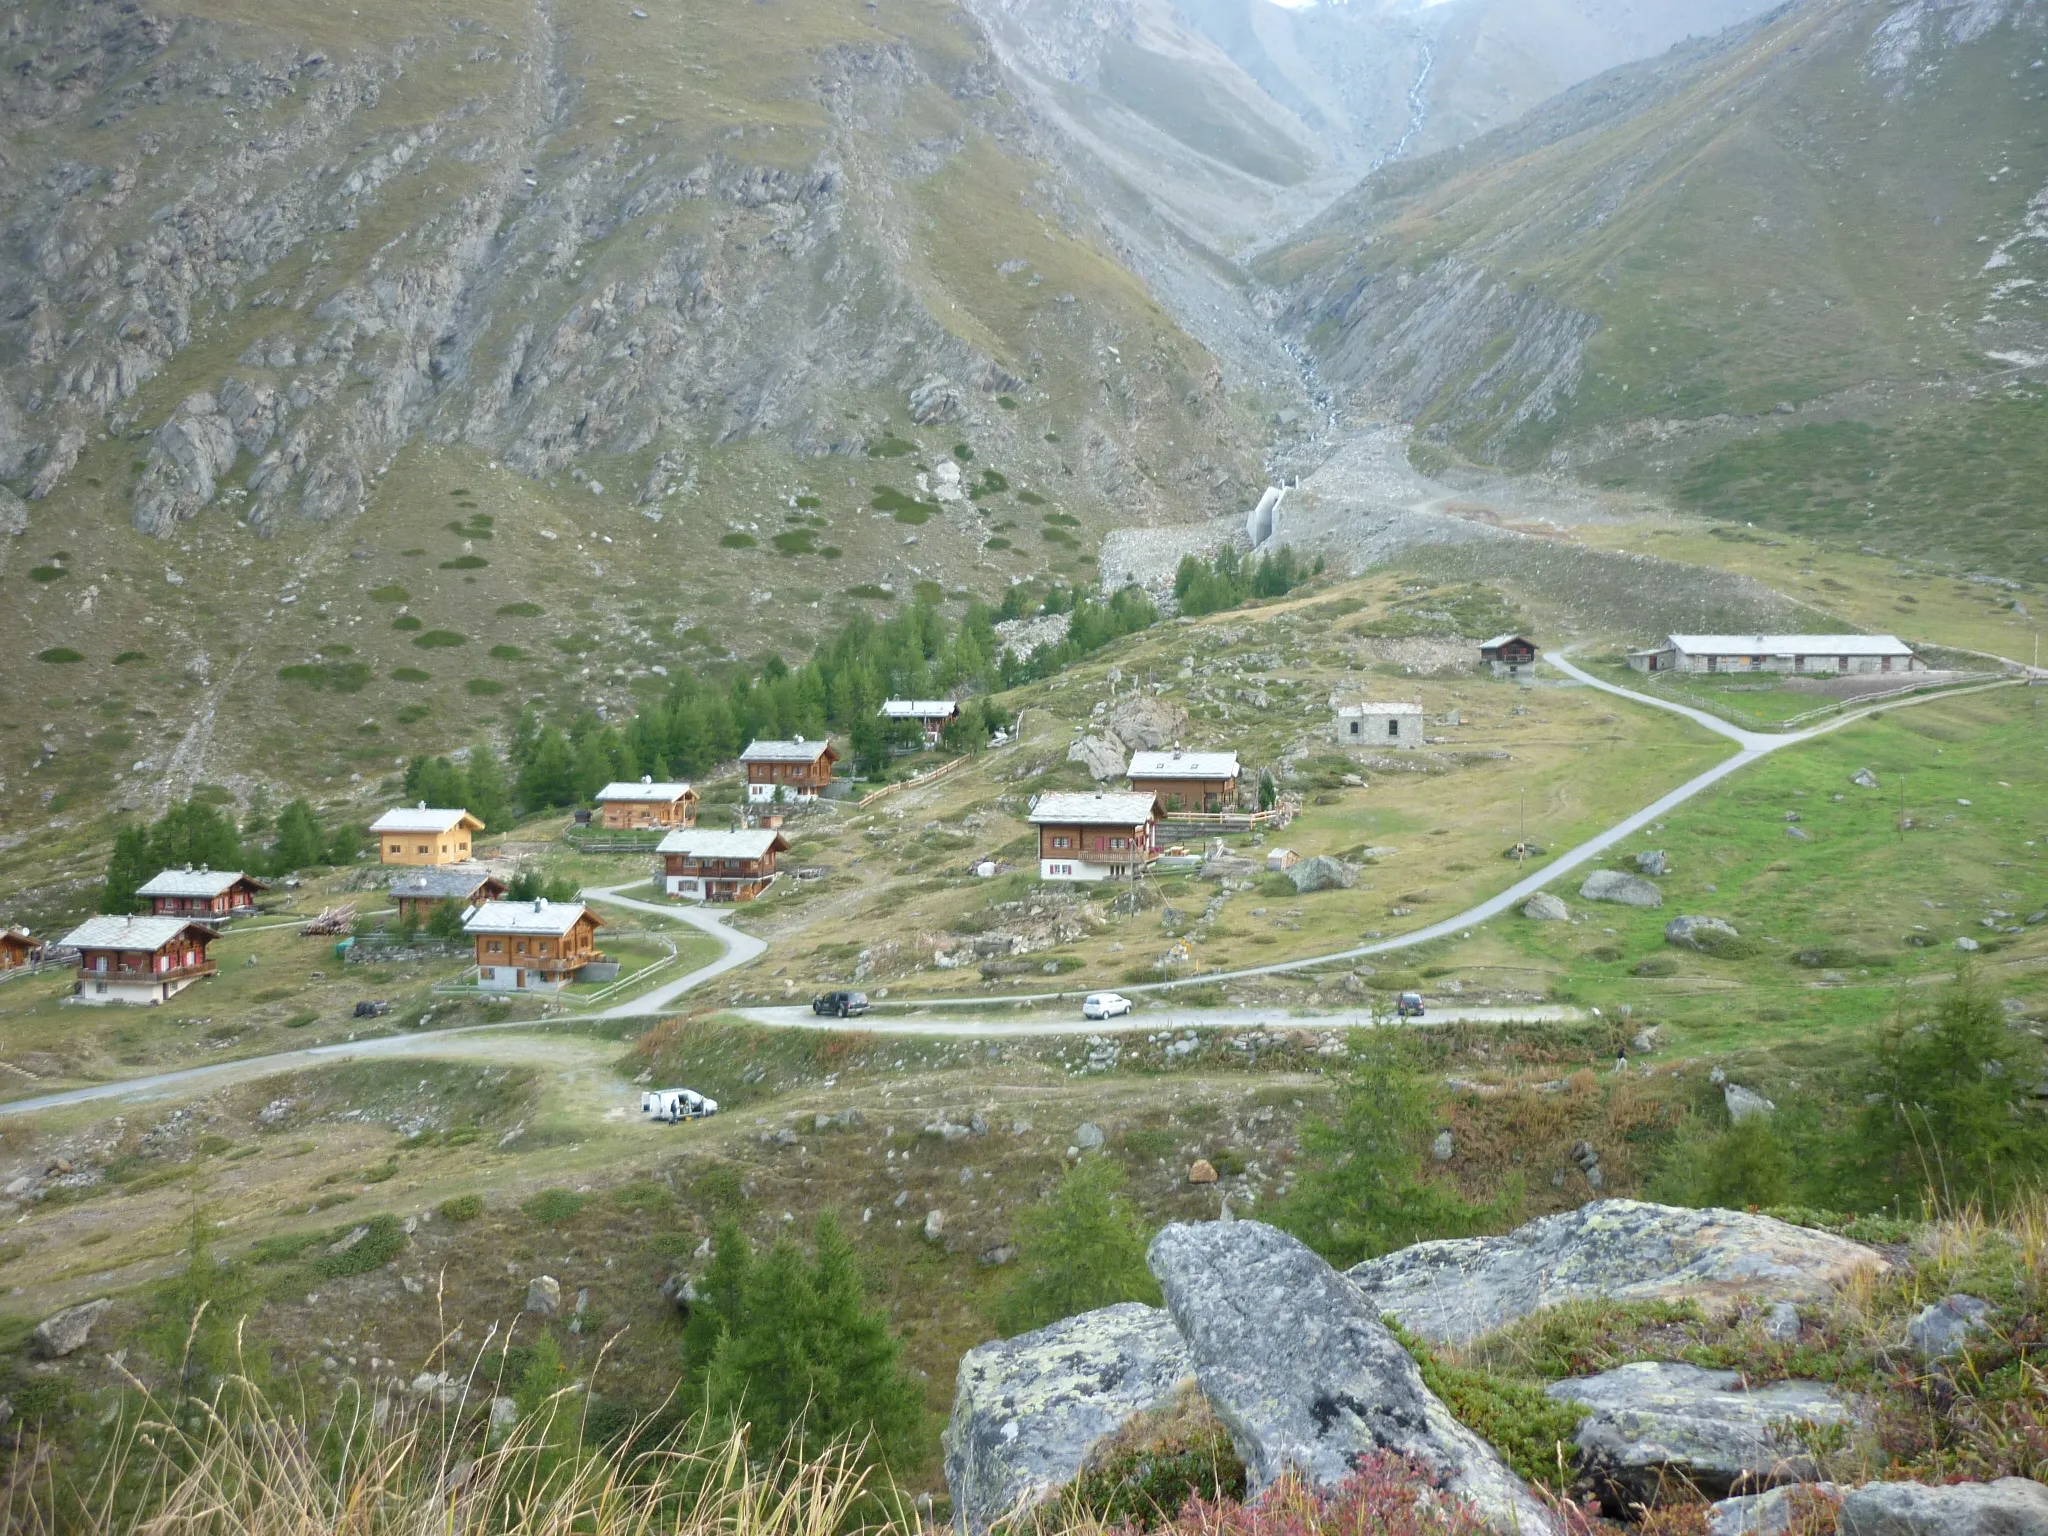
{"x":843,"y":1005}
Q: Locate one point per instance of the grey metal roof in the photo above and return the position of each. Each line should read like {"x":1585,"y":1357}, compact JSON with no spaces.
{"x":194,"y":882}
{"x":442,"y":883}
{"x":798,"y":751}
{"x":1177,"y":764}
{"x":644,"y":791}
{"x":547,"y":918}
{"x":920,"y":709}
{"x":696,"y":843}
{"x":1111,"y":808}
{"x":1791,"y":645}
{"x":129,"y":932}
{"x":421,"y":818}
{"x":1487,"y":645}
{"x":1379,"y":709}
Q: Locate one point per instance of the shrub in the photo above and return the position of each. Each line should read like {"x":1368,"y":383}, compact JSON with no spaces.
{"x":465,"y":563}
{"x":439,"y":640}
{"x":407,"y":623}
{"x":891,"y":447}
{"x":903,"y":508}
{"x":551,"y":1206}
{"x":339,"y":676}
{"x":48,"y":573}
{"x":126,"y":657}
{"x":1532,"y":1432}
{"x":1387,"y":1495}
{"x":60,"y":655}
{"x":483,"y":687}
{"x":1141,"y":1476}
{"x":384,"y":1241}
{"x":737,"y":540}
{"x":390,"y":592}
{"x":1744,"y":1165}
{"x":521,"y":611}
{"x":411,"y":675}
{"x":508,"y":653}
{"x":461,"y":1208}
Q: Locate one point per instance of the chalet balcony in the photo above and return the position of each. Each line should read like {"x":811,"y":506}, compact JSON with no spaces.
{"x":137,"y":976}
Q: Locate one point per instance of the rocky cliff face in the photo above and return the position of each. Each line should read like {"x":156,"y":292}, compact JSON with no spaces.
{"x":270,"y":254}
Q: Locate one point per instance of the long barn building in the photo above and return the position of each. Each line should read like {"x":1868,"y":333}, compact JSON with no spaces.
{"x":1821,"y":655}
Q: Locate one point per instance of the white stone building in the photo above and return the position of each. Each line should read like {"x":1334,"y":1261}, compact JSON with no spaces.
{"x":1379,"y":726}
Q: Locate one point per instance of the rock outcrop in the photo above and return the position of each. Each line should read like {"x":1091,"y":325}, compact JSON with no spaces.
{"x":1698,"y":932}
{"x":2012,"y":1506}
{"x":1655,"y":1426}
{"x":1027,"y":1410}
{"x":1546,"y":908}
{"x":1322,"y":873}
{"x":64,"y":1333}
{"x":1627,"y":1250}
{"x":1774,"y":1511}
{"x":1103,"y":758}
{"x":1941,"y":1330}
{"x":1628,"y":890}
{"x":1297,"y":1363}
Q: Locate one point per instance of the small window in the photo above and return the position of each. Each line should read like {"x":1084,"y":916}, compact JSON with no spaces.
{"x":396,"y":848}
{"x":1355,"y":724}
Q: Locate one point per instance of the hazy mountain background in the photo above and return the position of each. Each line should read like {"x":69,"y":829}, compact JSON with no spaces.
{"x":368,"y":368}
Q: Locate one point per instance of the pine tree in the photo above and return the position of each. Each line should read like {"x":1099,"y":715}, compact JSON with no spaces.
{"x":446,"y":922}
{"x":345,"y":844}
{"x":1081,"y":1248}
{"x":485,"y":793}
{"x":194,"y":833}
{"x":592,"y":769}
{"x":128,"y":866}
{"x":300,"y":842}
{"x":544,"y":776}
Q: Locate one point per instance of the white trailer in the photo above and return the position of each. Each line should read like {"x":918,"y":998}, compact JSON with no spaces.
{"x":668,"y":1105}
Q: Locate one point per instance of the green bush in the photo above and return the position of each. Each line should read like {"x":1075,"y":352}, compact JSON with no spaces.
{"x":385,"y":1241}
{"x":1532,"y":1432}
{"x":390,"y":592}
{"x":737,"y":540}
{"x":551,"y":1206}
{"x":891,"y":447}
{"x":439,"y":640}
{"x":461,"y":1208}
{"x":1140,"y":1477}
{"x":521,"y":611}
{"x":407,"y":623}
{"x":340,"y":676}
{"x":1744,"y":1165}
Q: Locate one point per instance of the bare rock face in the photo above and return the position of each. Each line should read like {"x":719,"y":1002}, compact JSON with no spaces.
{"x":1027,"y":1410}
{"x":1297,"y":1363}
{"x":2012,"y":1506}
{"x":1144,"y":723}
{"x":544,"y":1296}
{"x":1546,"y":908}
{"x":64,"y":1332}
{"x":1626,"y":1250}
{"x":1774,"y":1511}
{"x":1691,"y":931}
{"x":1655,"y":1425}
{"x":1104,"y":758}
{"x":13,"y":514}
{"x":1628,"y":890}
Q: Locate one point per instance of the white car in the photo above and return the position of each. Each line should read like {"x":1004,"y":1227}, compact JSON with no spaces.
{"x":673,"y":1104}
{"x":1105,"y":1005}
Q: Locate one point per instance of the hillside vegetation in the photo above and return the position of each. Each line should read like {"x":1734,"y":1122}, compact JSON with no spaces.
{"x":1785,"y":280}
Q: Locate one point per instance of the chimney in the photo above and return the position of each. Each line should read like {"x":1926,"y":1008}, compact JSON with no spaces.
{"x":539,"y":902}
{"x":423,"y":805}
{"x":646,"y":778}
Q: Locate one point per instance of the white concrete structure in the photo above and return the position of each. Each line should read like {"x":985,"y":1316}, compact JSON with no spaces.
{"x":1263,"y":521}
{"x":1379,"y":725}
{"x":1813,"y":655}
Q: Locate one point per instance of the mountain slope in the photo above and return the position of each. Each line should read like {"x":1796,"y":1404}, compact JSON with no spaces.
{"x":1788,"y":280}
{"x":588,"y":309}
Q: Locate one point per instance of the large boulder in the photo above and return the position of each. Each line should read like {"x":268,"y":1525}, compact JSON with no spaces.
{"x":1693,"y":932}
{"x":1456,"y":1289}
{"x":64,"y":1332}
{"x":1322,"y":873}
{"x":1629,"y":890}
{"x":1546,"y":908}
{"x":1103,"y":757}
{"x":1653,"y":863}
{"x":1744,"y":1103}
{"x":1027,"y":1410}
{"x":1297,"y":1363}
{"x":2012,"y":1506}
{"x":1144,"y":722}
{"x":1656,"y":1427}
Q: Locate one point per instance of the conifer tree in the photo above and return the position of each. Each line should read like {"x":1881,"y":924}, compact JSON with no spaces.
{"x":127,"y":867}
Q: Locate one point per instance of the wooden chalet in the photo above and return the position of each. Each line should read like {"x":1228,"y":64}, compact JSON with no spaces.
{"x":632,"y":807}
{"x":932,"y":715}
{"x":17,"y":948}
{"x":1104,"y":835}
{"x":532,"y":946}
{"x":417,"y":895}
{"x":720,"y":866}
{"x":1508,"y":655}
{"x":423,"y":835}
{"x":208,"y":895}
{"x":791,"y":770}
{"x":1187,"y":781}
{"x":140,"y":960}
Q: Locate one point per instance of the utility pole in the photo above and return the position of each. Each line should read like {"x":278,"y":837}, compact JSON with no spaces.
{"x":1902,"y":805}
{"x":1522,"y":841}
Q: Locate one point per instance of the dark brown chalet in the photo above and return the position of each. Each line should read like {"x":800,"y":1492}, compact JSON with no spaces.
{"x":138,"y":959}
{"x":720,"y":866}
{"x":1108,"y":835}
{"x":788,"y":770}
{"x":17,"y":948}
{"x":209,"y":895}
{"x":1508,"y":655}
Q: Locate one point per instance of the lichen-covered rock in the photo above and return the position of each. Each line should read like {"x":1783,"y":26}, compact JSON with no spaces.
{"x":64,"y":1332}
{"x":1744,"y":1103}
{"x":1546,"y":908}
{"x":1626,"y":1250}
{"x":1027,"y":1410}
{"x":1629,"y":890}
{"x":1145,"y":723}
{"x":1942,"y":1329}
{"x":1652,"y":862}
{"x":1104,"y":758}
{"x":1772,"y":1512}
{"x":1656,"y":1426}
{"x":2012,"y":1506}
{"x":1300,"y":1367}
{"x":1322,"y":873}
{"x":1692,"y":931}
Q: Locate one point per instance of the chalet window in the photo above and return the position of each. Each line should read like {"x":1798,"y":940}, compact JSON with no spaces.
{"x":494,"y":946}
{"x":425,"y":848}
{"x":1119,"y":842}
{"x":1062,"y":842}
{"x":1355,"y":728}
{"x":397,"y":848}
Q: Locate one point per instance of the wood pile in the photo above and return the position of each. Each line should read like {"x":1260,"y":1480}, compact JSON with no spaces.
{"x":331,"y":921}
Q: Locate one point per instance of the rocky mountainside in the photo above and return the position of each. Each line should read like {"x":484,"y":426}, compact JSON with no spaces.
{"x":1788,"y":274}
